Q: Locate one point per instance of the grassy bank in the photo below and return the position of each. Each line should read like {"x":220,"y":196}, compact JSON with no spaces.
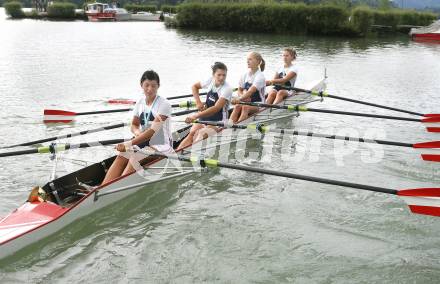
{"x":294,"y":18}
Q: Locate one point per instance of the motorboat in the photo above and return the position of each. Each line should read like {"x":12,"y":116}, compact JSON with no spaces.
{"x":429,"y":33}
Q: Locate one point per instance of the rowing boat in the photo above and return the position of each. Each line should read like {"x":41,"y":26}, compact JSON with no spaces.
{"x":77,"y":194}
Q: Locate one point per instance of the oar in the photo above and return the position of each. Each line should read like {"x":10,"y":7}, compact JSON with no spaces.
{"x":324,"y":94}
{"x":64,"y":116}
{"x":125,"y":101}
{"x":426,"y":120}
{"x":265,"y":129}
{"x":86,"y":132}
{"x":420,"y":200}
{"x":61,"y":147}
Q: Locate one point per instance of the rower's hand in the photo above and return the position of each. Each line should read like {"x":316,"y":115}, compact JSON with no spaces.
{"x":235,"y":101}
{"x":200,"y":106}
{"x":190,"y":119}
{"x":269,"y":82}
{"x":120,"y":147}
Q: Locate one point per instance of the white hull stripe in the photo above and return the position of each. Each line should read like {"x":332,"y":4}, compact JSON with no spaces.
{"x":422,"y":201}
{"x":22,"y":224}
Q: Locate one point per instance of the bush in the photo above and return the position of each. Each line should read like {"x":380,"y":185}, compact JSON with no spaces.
{"x":134,"y":8}
{"x":290,"y":18}
{"x":169,"y":9}
{"x":293,"y":18}
{"x":61,"y":10}
{"x":362,"y":18}
{"x":14,"y":9}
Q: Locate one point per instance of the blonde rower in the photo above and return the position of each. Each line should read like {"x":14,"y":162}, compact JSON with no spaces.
{"x":286,"y":75}
{"x":216,"y":105}
{"x":150,"y":126}
{"x":251,"y":88}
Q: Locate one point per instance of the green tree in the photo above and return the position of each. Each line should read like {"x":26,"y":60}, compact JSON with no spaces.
{"x":384,"y":5}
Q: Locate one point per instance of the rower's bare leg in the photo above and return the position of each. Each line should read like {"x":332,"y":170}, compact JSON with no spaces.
{"x":235,"y":113}
{"x":271,"y":97}
{"x":204,"y":133}
{"x":116,"y":169}
{"x":281,"y":95}
{"x":246,"y":111}
{"x":190,"y":138}
{"x":134,"y":162}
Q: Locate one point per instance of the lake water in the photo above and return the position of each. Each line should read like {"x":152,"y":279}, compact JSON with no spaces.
{"x":225,"y":226}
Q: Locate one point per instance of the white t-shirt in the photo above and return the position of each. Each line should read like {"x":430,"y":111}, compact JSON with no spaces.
{"x":161,"y":106}
{"x":285,"y":70}
{"x":257,"y":79}
{"x":223,"y":91}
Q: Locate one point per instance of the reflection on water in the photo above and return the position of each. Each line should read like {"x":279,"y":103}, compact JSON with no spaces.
{"x":225,"y":226}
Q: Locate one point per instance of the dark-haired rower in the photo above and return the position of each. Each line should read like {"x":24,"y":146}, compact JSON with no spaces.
{"x":150,"y":126}
{"x":216,"y":105}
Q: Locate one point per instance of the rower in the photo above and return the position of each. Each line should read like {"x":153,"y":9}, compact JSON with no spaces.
{"x":286,"y":75}
{"x":251,"y":88}
{"x":216,"y":105}
{"x":150,"y":126}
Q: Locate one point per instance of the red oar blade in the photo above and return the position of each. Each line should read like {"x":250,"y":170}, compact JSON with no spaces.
{"x":425,"y":145}
{"x":55,"y":115}
{"x":432,"y":119}
{"x":121,"y":101}
{"x":433,"y":129}
{"x":424,"y":201}
{"x":431,"y":157}
{"x":432,"y":115}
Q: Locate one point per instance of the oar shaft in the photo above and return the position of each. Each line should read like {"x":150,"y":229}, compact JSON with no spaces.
{"x":215,"y":163}
{"x":303,"y":108}
{"x":265,"y":129}
{"x":104,"y":111}
{"x":375,"y":105}
{"x":69,"y":135}
{"x":339,"y":137}
{"x":185,"y":96}
{"x":363,"y":114}
{"x":61,"y":147}
{"x":351,"y":100}
{"x":308,"y":178}
{"x":86,"y":132}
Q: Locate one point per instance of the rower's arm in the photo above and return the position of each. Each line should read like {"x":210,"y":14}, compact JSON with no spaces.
{"x":135,"y":126}
{"x":240,"y":91}
{"x":270,"y":82}
{"x":221,"y":102}
{"x":285,"y":79}
{"x":149,"y":132}
{"x":195,"y":92}
{"x":248,"y":93}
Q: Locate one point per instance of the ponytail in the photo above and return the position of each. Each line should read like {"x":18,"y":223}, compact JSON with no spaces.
{"x":262,"y":64}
